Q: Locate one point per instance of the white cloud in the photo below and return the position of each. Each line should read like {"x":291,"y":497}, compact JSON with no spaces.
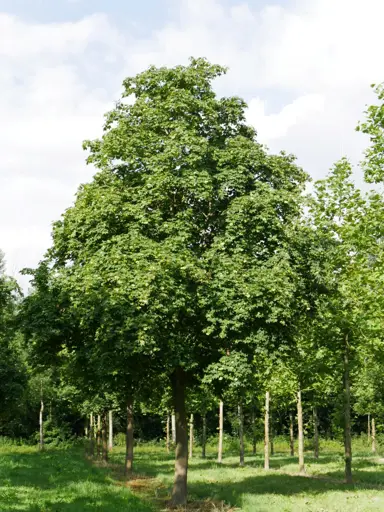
{"x":47,"y":108}
{"x":296,"y":53}
{"x":275,"y":126}
{"x":305,"y":69}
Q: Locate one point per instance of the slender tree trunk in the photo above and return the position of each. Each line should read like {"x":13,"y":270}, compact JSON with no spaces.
{"x":253,"y":432}
{"x":41,"y":425}
{"x":271,"y":438}
{"x":173,"y":428}
{"x":179,"y":491}
{"x":316,"y":433}
{"x":221,"y":432}
{"x":301,"y":432}
{"x":347,"y":416}
{"x":373,"y":435}
{"x":204,"y":437}
{"x":104,"y":436}
{"x":266,"y":432}
{"x":98,"y":435}
{"x":241,"y":433}
{"x":168,"y":428}
{"x":369,"y":428}
{"x":91,"y":436}
{"x":191,"y":437}
{"x":291,"y":435}
{"x":129,"y":440}
{"x":110,"y":424}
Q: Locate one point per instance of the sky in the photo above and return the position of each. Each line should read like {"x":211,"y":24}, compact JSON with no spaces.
{"x":303,"y":66}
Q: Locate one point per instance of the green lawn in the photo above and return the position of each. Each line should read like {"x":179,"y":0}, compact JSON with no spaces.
{"x":59,"y":480}
{"x":63,"y":480}
{"x":251,"y":489}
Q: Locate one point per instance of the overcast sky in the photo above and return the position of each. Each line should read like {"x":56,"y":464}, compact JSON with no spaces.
{"x":303,"y":66}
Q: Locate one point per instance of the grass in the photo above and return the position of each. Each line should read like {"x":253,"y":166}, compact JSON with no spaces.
{"x":63,"y":480}
{"x":60,"y":480}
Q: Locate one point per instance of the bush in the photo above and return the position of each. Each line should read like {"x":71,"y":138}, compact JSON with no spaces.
{"x":56,"y":435}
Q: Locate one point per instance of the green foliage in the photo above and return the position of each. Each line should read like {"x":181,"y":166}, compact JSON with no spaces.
{"x":373,"y":126}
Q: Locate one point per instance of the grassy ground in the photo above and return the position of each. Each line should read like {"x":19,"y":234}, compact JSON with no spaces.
{"x":60,"y":480}
{"x":63,"y":480}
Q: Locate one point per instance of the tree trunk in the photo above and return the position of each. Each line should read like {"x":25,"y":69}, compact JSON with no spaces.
{"x":315,"y":433}
{"x":104,"y":436}
{"x":241,"y":433}
{"x":191,"y":437}
{"x":110,"y":424}
{"x":98,"y":435}
{"x":301,"y":432}
{"x":173,"y":429}
{"x":221,"y":432}
{"x":179,"y":491}
{"x":369,"y":428}
{"x":373,"y":435}
{"x":347,"y":416}
{"x":271,"y":438}
{"x":291,"y":435}
{"x":128,"y":469}
{"x":266,"y":432}
{"x":253,"y":432}
{"x":91,"y":436}
{"x":204,"y":437}
{"x":168,"y":428}
{"x":41,"y":425}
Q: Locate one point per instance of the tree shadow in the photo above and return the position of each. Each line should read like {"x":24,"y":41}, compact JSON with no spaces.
{"x":232,"y":492}
{"x":61,"y":481}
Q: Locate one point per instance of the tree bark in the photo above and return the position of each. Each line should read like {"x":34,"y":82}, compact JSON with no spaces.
{"x":316,"y":433}
{"x":221,"y":432}
{"x":291,"y":435}
{"x":179,"y":491}
{"x":347,"y":416}
{"x":271,"y":438}
{"x":104,"y":436}
{"x":173,"y":428}
{"x":129,"y":440}
{"x":41,"y":425}
{"x":110,"y":424}
{"x":191,"y":437}
{"x":369,"y":428}
{"x":301,"y":432}
{"x":168,"y":428}
{"x":91,"y":436}
{"x":204,"y":437}
{"x":266,"y":432}
{"x":98,"y":435}
{"x":241,"y":433}
{"x":373,"y":435}
{"x":253,"y":432}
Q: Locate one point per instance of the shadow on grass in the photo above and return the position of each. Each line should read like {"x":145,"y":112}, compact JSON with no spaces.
{"x":61,"y":481}
{"x":232,"y":492}
{"x":218,"y":486}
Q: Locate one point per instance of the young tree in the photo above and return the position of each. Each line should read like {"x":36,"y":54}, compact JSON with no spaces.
{"x":348,"y":231}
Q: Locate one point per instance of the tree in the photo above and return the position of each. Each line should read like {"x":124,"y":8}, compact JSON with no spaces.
{"x":183,"y":195}
{"x":373,"y":126}
{"x":350,"y":261}
{"x":13,"y":374}
{"x":231,"y":377}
